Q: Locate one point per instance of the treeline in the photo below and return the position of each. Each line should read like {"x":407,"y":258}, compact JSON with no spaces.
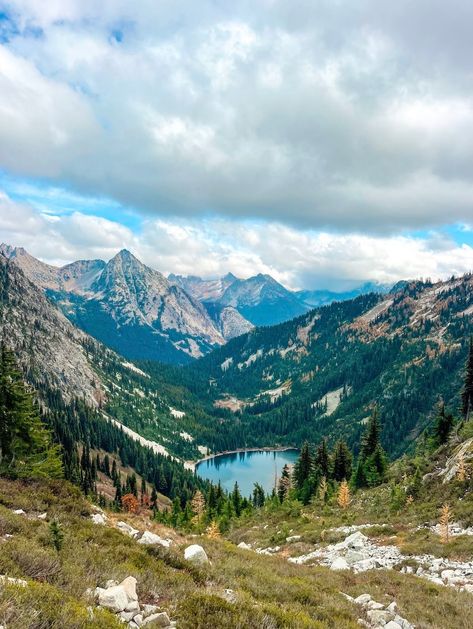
{"x":57,"y":441}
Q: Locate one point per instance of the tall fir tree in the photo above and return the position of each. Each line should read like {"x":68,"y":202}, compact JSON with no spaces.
{"x":342,"y":462}
{"x":467,"y":394}
{"x":303,"y":467}
{"x":26,"y":448}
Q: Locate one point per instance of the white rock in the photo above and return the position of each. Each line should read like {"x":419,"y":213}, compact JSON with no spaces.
{"x":13,"y":580}
{"x":126,"y":616}
{"x":114,"y":598}
{"x":129,"y":585}
{"x":339,"y":564}
{"x":42,"y":516}
{"x":229,"y":595}
{"x":353,"y":556}
{"x":196,"y":555}
{"x":149,"y":609}
{"x":151,"y":539}
{"x":244,"y":545}
{"x":379,"y":617}
{"x":138,"y":619}
{"x":133,"y":625}
{"x":98,"y":518}
{"x":293,"y":538}
{"x":19,"y":512}
{"x":133,"y":606}
{"x":363,"y":599}
{"x":127,"y":529}
{"x":392,"y":607}
{"x":356,"y":541}
{"x":392,"y":625}
{"x":157,"y":620}
{"x":374,"y":605}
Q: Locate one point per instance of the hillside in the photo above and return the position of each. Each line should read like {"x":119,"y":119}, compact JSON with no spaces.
{"x":320,"y":374}
{"x":58,"y":358}
{"x":380,"y":562}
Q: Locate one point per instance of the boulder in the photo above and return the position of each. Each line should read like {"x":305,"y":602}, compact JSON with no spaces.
{"x":353,"y":556}
{"x":98,"y":518}
{"x":363,"y":599}
{"x":356,"y":541}
{"x":42,"y":516}
{"x":379,"y":616}
{"x":293,"y":538}
{"x":244,"y":545}
{"x":392,"y":624}
{"x":114,"y":598}
{"x":129,"y":585}
{"x":19,"y":512}
{"x":196,"y":555}
{"x":127,"y":529}
{"x":138,"y":619}
{"x":157,"y":620}
{"x":152,"y":539}
{"x":149,"y":609}
{"x":339,"y":564}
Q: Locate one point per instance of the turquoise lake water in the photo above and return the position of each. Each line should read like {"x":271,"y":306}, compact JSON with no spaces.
{"x":247,"y":468}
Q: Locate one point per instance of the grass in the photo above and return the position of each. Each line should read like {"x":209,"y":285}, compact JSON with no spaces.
{"x":271,"y":593}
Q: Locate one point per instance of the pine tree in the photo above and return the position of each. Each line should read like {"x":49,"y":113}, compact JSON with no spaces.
{"x":322,"y":459}
{"x":258,"y":495}
{"x":443,"y":425}
{"x":26,"y":449}
{"x":342,"y":461}
{"x":213,"y":530}
{"x":371,"y":438}
{"x":57,"y":535}
{"x":198,"y":506}
{"x":236,"y":500}
{"x":284,"y":484}
{"x":467,"y":394}
{"x":323,"y":488}
{"x":343,"y":498}
{"x":303,"y":466}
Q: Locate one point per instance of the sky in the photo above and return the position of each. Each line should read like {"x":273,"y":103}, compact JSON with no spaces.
{"x":327,"y":143}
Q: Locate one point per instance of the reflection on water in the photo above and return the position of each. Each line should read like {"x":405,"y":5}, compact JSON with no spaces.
{"x":247,"y":468}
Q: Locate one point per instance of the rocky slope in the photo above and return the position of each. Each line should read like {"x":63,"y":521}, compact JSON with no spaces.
{"x":129,"y":306}
{"x":47,"y":345}
{"x":259,"y":299}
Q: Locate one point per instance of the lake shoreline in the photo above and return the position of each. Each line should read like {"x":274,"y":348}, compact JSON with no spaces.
{"x":193,"y":464}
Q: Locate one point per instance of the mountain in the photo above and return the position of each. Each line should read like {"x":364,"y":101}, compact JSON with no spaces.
{"x":261,"y":300}
{"x":315,"y":298}
{"x":321,"y":374}
{"x":129,"y":306}
{"x":62,"y":361}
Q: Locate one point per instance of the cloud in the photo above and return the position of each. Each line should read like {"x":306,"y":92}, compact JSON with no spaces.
{"x":328,"y":117}
{"x":213,"y":247}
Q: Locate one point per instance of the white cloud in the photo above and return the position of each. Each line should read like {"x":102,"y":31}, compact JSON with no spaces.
{"x":215,"y":246}
{"x":348,"y":117}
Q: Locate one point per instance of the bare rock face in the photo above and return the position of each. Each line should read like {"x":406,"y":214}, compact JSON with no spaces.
{"x":45,"y":342}
{"x":126,"y":304}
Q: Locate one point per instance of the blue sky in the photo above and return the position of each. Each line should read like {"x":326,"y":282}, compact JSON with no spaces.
{"x":327,"y":147}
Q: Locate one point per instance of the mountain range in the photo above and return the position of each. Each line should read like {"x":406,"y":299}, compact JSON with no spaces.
{"x":313,"y":376}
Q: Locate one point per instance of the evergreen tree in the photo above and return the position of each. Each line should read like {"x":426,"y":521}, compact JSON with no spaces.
{"x":371,"y":438}
{"x":342,"y":462}
{"x":258,"y":496}
{"x":26,"y":448}
{"x":284,"y":483}
{"x":322,"y":459}
{"x":443,"y":425}
{"x":303,"y":467}
{"x":467,"y":394}
{"x":236,"y":500}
